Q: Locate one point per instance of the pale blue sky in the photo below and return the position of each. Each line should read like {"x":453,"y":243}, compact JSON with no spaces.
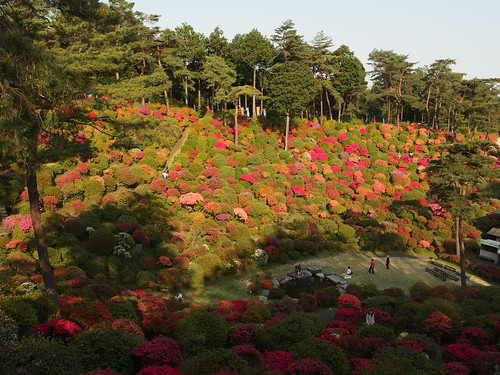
{"x":426,"y":30}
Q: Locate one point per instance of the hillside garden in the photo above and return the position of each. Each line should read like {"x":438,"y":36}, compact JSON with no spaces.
{"x":122,"y":240}
{"x":97,"y":239}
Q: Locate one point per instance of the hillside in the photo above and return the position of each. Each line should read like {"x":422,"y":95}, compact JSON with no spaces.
{"x":109,"y":213}
{"x":122,"y":240}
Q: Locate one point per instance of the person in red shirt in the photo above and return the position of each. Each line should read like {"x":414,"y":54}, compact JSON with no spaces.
{"x":372,"y":267}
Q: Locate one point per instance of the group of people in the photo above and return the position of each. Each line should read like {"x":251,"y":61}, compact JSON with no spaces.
{"x":371,"y":268}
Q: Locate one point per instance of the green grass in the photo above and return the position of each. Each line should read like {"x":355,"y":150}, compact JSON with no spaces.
{"x":404,"y":272}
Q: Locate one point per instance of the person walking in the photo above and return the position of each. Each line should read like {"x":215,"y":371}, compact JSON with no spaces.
{"x":387,"y":262}
{"x":371,"y":269}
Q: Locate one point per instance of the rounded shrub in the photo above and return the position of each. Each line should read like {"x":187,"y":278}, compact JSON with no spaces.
{"x":200,"y":331}
{"x":38,"y":355}
{"x":102,"y":241}
{"x":319,"y":350}
{"x":295,"y":328}
{"x":107,"y":348}
{"x":216,"y":361}
{"x":20,"y":310}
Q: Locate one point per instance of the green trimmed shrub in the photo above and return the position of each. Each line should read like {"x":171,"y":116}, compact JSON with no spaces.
{"x":43,"y":304}
{"x":38,"y":355}
{"x":403,"y":361}
{"x":210,"y":263}
{"x":322,"y":351}
{"x":380,"y":331}
{"x":20,"y":310}
{"x":100,"y":348}
{"x":21,"y":262}
{"x":102,"y":241}
{"x":212,"y":361}
{"x":200,"y":331}
{"x":295,"y":328}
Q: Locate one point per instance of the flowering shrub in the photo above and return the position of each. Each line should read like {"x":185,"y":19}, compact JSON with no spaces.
{"x":463,"y":353}
{"x":84,"y":312}
{"x":240,"y":213}
{"x":474,"y":336}
{"x":155,"y":316}
{"x":323,"y":298}
{"x":16,"y":245}
{"x":308,"y":302}
{"x":243,"y":334}
{"x":18,"y":222}
{"x":160,"y":350}
{"x":190,"y":199}
{"x":273,"y":252}
{"x":455,"y":368}
{"x":349,"y":301}
{"x":58,"y":327}
{"x":348,"y":315}
{"x":278,"y":361}
{"x":159,"y":370}
{"x":410,"y":344}
{"x":310,"y":367}
{"x":359,"y":366}
{"x":127,"y":325}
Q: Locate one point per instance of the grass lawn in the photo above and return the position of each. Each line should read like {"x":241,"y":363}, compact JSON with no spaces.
{"x":405,"y":270}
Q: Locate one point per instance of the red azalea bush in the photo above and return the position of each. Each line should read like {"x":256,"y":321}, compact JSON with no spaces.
{"x":278,"y":361}
{"x":58,"y":327}
{"x":349,"y":301}
{"x":84,"y":312}
{"x":354,"y":289}
{"x":359,"y":366}
{"x":160,"y":350}
{"x":273,"y":252}
{"x":308,"y":302}
{"x":410,"y":344}
{"x":341,"y":328}
{"x":16,"y":245}
{"x":243,"y":334}
{"x":159,"y":370}
{"x":127,"y":325}
{"x":323,"y":298}
{"x":309,"y":367}
{"x":156,"y":318}
{"x":347,"y":315}
{"x":463,"y":353}
{"x":455,"y":368}
{"x":474,"y":336}
{"x":267,"y":284}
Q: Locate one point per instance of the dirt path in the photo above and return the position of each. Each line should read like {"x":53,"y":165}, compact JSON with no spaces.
{"x":178,"y":146}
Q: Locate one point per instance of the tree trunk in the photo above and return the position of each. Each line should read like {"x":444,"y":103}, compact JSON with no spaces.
{"x":36,"y":219}
{"x":199,"y":94}
{"x":254,"y":114}
{"x":287,"y":129}
{"x":167,"y":103}
{"x":321,"y":106}
{"x":236,"y":108}
{"x":184,"y":81}
{"x":460,"y":251}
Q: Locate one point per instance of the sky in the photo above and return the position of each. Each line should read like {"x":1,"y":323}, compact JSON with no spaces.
{"x":467,"y":31}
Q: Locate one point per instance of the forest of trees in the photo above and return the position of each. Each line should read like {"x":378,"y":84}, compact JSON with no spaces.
{"x":123,"y":55}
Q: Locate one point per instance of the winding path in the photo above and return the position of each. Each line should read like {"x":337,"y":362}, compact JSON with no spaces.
{"x":178,"y":146}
